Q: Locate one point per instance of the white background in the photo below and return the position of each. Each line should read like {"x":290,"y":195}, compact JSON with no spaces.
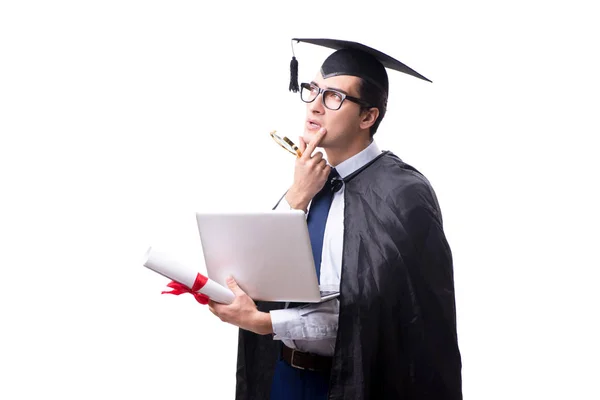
{"x":120,"y":119}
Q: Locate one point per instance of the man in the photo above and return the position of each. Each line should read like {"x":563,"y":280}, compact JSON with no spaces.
{"x":377,"y":237}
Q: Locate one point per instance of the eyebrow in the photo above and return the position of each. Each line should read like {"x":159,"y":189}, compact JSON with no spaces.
{"x":329,"y":87}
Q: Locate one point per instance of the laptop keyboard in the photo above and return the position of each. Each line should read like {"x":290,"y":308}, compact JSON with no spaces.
{"x":328,"y":292}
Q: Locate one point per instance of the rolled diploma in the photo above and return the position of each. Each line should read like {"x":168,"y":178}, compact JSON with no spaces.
{"x":164,"y":264}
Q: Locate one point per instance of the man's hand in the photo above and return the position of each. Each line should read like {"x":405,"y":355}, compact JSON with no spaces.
{"x":242,"y":312}
{"x":310,"y":174}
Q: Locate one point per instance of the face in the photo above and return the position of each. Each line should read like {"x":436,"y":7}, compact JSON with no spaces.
{"x":342,"y":125}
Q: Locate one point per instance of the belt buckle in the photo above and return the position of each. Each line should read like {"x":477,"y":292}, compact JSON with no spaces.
{"x":292,"y":360}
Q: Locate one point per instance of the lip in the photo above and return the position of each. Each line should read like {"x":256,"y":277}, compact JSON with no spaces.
{"x":313,"y":125}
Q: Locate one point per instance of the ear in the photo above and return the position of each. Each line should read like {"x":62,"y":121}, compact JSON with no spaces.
{"x":369,"y":117}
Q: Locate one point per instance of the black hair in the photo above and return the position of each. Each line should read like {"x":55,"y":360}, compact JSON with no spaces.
{"x":374,"y":96}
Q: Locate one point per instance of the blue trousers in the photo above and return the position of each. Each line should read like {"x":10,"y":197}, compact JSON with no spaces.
{"x":291,"y":383}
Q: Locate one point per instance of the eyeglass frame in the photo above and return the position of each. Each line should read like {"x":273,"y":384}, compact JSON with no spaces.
{"x":322,"y":91}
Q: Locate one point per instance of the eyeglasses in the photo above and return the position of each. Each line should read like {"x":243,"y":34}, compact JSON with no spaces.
{"x":332,"y":99}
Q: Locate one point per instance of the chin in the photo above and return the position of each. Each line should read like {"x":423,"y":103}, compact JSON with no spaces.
{"x":308,"y":136}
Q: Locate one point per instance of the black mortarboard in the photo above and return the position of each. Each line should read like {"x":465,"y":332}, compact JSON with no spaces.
{"x":354,"y":59}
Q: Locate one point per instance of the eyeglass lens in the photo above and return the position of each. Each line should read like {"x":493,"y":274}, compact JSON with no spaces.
{"x":331,"y":98}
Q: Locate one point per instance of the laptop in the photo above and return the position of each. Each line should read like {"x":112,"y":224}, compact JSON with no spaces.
{"x":267,"y":252}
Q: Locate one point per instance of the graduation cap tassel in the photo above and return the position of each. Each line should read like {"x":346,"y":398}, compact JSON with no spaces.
{"x":294,"y":87}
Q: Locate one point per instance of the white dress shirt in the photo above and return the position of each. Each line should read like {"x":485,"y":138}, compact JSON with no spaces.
{"x":313,"y":328}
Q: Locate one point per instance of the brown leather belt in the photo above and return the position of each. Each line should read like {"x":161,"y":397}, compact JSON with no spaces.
{"x":308,"y":361}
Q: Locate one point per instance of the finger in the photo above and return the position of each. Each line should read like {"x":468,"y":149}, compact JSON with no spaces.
{"x":301,"y":145}
{"x":318,"y":157}
{"x":234,"y":287}
{"x":213,"y":306}
{"x":321,"y":163}
{"x":314,"y":143}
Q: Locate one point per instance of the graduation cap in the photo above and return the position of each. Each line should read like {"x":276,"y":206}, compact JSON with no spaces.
{"x":354,"y":59}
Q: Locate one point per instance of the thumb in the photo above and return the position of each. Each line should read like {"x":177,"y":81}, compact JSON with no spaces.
{"x":234,"y":286}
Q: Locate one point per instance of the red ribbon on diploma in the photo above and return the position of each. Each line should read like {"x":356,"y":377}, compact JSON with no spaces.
{"x":179,"y":288}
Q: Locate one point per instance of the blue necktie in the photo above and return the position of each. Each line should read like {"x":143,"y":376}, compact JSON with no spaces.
{"x":317,"y":216}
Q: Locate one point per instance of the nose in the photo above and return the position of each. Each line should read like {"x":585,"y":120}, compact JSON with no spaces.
{"x":316,"y":106}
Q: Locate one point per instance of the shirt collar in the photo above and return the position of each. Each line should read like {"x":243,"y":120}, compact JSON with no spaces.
{"x":357,"y":161}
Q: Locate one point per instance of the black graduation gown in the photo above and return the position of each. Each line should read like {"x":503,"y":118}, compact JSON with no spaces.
{"x":397,"y":324}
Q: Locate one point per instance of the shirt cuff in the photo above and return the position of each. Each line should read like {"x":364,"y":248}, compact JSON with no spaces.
{"x":284,"y":205}
{"x":283,"y":321}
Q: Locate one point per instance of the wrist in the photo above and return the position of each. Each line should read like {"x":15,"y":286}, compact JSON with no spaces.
{"x":296,"y":200}
{"x":262,"y":323}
